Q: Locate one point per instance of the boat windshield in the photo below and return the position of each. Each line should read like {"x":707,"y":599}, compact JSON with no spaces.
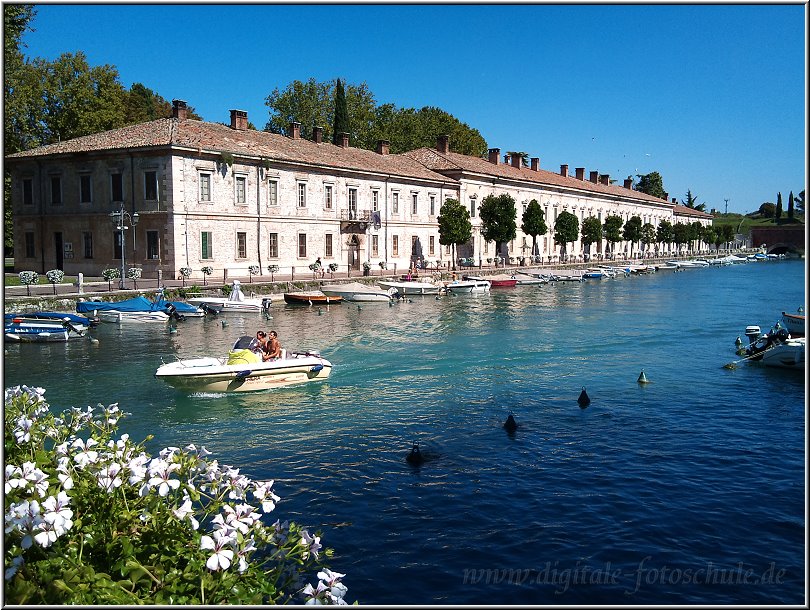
{"x":245,"y":342}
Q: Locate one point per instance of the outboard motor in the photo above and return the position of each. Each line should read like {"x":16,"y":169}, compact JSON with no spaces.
{"x":172,"y":311}
{"x":753,"y":333}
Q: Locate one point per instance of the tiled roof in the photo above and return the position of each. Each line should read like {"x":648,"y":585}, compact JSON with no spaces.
{"x":682,"y":210}
{"x":215,"y":137}
{"x":450,"y":161}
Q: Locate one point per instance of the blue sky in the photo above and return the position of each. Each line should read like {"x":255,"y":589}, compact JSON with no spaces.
{"x":710,"y":96}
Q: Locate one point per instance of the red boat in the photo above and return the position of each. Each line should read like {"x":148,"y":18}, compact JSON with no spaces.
{"x":496,"y":281}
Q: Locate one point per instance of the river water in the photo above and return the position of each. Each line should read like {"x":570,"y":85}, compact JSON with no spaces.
{"x":686,"y":490}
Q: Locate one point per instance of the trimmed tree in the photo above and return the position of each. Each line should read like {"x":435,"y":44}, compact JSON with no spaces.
{"x":647,"y":236}
{"x":534,"y":223}
{"x":566,"y":229}
{"x":632,"y":231}
{"x":454,"y":225}
{"x":664,"y":234}
{"x":498,"y":220}
{"x":592,"y":232}
{"x":613,"y":231}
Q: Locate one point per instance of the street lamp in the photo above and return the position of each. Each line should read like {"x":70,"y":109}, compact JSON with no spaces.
{"x":119,"y":219}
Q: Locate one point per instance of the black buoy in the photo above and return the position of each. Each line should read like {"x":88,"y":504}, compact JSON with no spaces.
{"x":510,"y":425}
{"x":583,"y":399}
{"x":415,"y":456}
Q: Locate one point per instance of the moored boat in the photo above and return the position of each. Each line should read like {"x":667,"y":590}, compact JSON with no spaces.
{"x":236,"y":301}
{"x":44,"y":327}
{"x":311,"y":297}
{"x":794,"y":322}
{"x":243,"y":370}
{"x":138,"y":309}
{"x":412,"y":287}
{"x":467,"y":286}
{"x":356,"y":291}
{"x":775,"y":349}
{"x":495,"y":281}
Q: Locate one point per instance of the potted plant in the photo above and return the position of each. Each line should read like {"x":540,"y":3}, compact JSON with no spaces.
{"x":253,"y":270}
{"x":206,"y":272}
{"x":55,"y":276}
{"x":366,"y":267}
{"x":134,"y":273}
{"x":185,"y":272}
{"x":272,"y":269}
{"x":28,"y":278}
{"x":332,"y":268}
{"x":110,"y":274}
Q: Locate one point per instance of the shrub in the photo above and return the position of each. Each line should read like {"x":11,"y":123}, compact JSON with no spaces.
{"x":94,"y":519}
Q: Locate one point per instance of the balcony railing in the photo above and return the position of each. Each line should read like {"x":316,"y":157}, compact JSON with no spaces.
{"x":355,"y":215}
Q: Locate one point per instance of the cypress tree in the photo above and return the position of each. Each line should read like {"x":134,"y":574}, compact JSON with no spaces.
{"x":341,"y":123}
{"x":778,"y":214}
{"x":790,"y":205}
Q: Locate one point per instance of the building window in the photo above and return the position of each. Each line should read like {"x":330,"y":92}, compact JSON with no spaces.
{"x":56,"y":190}
{"x":352,"y":204}
{"x":472,"y":207}
{"x":272,"y":192}
{"x":205,"y":187}
{"x":375,"y":201}
{"x":241,"y":189}
{"x":85,"y":189}
{"x":241,"y":245}
{"x":327,"y":196}
{"x":30,"y":251}
{"x":414,"y":239}
{"x":375,"y":245}
{"x":272,"y":243}
{"x":87,"y":243}
{"x":414,"y":204}
{"x":206,"y":245}
{"x":327,"y":246}
{"x":447,"y":249}
{"x":302,"y":195}
{"x":117,"y":187}
{"x":150,"y":186}
{"x":486,"y":247}
{"x":395,"y":203}
{"x":431,"y":245}
{"x":302,"y":245}
{"x":28,"y":191}
{"x":433,"y":205}
{"x":152,"y":245}
{"x":395,"y":245}
{"x":117,"y":250}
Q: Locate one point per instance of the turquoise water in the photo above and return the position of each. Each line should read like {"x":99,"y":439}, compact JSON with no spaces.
{"x":689,"y":489}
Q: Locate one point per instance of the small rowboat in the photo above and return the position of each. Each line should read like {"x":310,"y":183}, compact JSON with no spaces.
{"x":311,"y":297}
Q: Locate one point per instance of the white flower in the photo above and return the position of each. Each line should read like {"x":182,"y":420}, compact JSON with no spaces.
{"x":85,"y":455}
{"x":222,"y":557}
{"x":23,"y":431}
{"x":313,"y":544}
{"x":263,"y":493}
{"x":58,"y":514}
{"x":108,"y":478}
{"x":186,"y":511}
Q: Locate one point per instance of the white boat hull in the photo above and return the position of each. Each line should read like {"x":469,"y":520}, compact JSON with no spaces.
{"x":132,"y":316}
{"x":216,"y":375}
{"x":411,"y":288}
{"x":356,"y":291}
{"x":795,"y":323}
{"x":225,"y":305}
{"x":468,"y":286}
{"x":788,"y":355}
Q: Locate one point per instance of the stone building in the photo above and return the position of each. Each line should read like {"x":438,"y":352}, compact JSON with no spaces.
{"x":231,"y":198}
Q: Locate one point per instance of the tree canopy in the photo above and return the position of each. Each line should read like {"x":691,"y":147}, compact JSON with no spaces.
{"x":566,"y":229}
{"x":652,"y":184}
{"x":592,"y":231}
{"x":534,"y":223}
{"x":632,"y":231}
{"x":613,"y":230}
{"x":454,"y":225}
{"x":341,"y":124}
{"x":498,"y":219}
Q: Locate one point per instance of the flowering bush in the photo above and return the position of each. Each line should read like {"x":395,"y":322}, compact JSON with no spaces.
{"x":382,"y":264}
{"x":55,"y":276}
{"x":366,"y":265}
{"x":206,"y":272}
{"x":28,"y":278}
{"x":94,"y":519}
{"x":134,"y":273}
{"x":111,"y":274}
{"x":333,"y":267}
{"x":185,"y":271}
{"x":254,"y":270}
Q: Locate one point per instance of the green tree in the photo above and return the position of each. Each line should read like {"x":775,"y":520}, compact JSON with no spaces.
{"x":454,"y":225}
{"x":566,"y":229}
{"x":648,"y":236}
{"x":691,"y":202}
{"x":498,"y":219}
{"x":632,"y":231}
{"x":341,"y":123}
{"x":612,"y":230}
{"x":727,"y":231}
{"x":534,"y":223}
{"x":652,"y":184}
{"x":791,"y":203}
{"x":524,"y":157}
{"x":682,"y":234}
{"x":665,"y":233}
{"x":696,"y":234}
{"x":592,"y":232}
{"x":712,"y":236}
{"x":310,"y":103}
{"x":141,"y":104}
{"x":767,"y":210}
{"x":800,"y":202}
{"x":778,"y":214}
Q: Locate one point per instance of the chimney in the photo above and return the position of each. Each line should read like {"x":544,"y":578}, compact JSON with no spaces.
{"x":443,"y":144}
{"x":535,"y":163}
{"x":564,"y":170}
{"x":517,"y":161}
{"x":595,"y":177}
{"x":580,"y":173}
{"x":604,"y":179}
{"x":628,"y":183}
{"x":494,"y":155}
{"x":344,"y":139}
{"x":383,"y":146}
{"x":317,"y":134}
{"x":239,"y":120}
{"x":295,"y":130}
{"x":179,"y":109}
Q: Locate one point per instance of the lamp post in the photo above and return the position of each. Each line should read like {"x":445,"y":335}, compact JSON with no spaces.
{"x":119,"y":219}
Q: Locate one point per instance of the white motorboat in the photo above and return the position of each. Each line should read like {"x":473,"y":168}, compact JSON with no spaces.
{"x":794,"y":322}
{"x":528,"y":279}
{"x":776,"y":348}
{"x":243,"y":370}
{"x":356,"y":291}
{"x":786,"y":355}
{"x":468,"y":286}
{"x":413,"y":287}
{"x":138,"y":309}
{"x":235,"y":302}
{"x":44,"y":327}
{"x":669,"y":266}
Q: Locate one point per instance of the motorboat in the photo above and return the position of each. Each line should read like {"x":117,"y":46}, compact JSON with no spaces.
{"x":236,"y":301}
{"x":311,"y":297}
{"x":411,"y":287}
{"x":468,"y":286}
{"x":794,"y":322}
{"x":242,"y":370}
{"x":356,"y":291}
{"x":44,"y":327}
{"x":596,"y":274}
{"x":567,"y":278}
{"x":138,"y":309}
{"x":529,"y":279}
{"x":776,"y":348}
{"x":669,"y":266}
{"x":495,"y":281}
{"x":759,"y":256}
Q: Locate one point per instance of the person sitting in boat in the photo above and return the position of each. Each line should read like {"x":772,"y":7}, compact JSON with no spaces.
{"x":273,"y":347}
{"x":259,"y":346}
